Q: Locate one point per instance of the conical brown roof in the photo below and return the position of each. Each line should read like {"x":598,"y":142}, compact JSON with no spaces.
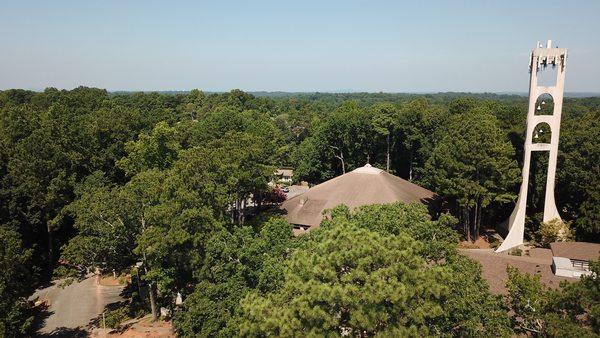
{"x":362,"y":186}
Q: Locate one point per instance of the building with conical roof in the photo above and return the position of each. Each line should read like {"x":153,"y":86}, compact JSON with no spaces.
{"x":362,"y":186}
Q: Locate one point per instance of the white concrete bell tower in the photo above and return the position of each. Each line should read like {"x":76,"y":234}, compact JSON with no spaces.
{"x":539,"y":123}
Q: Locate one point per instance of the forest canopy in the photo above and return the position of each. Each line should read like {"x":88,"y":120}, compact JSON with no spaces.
{"x":91,"y":179}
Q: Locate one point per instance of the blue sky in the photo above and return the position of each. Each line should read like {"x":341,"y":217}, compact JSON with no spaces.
{"x":390,"y":46}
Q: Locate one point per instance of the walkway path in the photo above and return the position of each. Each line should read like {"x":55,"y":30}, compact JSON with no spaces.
{"x":77,"y":304}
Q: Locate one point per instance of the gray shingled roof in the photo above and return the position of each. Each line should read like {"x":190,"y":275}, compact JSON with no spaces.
{"x":362,"y":186}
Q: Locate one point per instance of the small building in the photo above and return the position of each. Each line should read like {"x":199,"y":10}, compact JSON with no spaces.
{"x":362,"y":186}
{"x":284,"y":175}
{"x":572,"y":259}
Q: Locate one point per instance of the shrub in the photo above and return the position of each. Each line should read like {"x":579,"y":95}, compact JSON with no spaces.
{"x":516,"y":252}
{"x":115,"y":317}
{"x":554,"y":231}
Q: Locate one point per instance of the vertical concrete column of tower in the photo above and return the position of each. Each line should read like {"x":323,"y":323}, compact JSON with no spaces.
{"x":541,"y":57}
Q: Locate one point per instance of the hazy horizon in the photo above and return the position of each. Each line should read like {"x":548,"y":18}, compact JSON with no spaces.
{"x":282,"y":93}
{"x":290,"y":93}
{"x":339,"y":46}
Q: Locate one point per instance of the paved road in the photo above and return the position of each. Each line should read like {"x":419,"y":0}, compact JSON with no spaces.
{"x":77,"y":304}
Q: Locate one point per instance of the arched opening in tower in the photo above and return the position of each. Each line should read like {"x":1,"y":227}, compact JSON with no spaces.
{"x":546,"y":75}
{"x":544,"y":105}
{"x":536,"y":191}
{"x":542,"y":133}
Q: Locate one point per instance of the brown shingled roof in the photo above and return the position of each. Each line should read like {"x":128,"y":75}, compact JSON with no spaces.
{"x":362,"y":186}
{"x":494,"y":268}
{"x":582,"y":251}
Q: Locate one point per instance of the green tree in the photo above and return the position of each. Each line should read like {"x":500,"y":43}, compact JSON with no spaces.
{"x":344,"y":140}
{"x":578,"y":182}
{"x":412,"y":130}
{"x":155,"y":150}
{"x":110,"y":221}
{"x":14,"y":284}
{"x":106,"y":231}
{"x":572,"y":310}
{"x":468,"y":308}
{"x":473,"y":164}
{"x":49,"y":143}
{"x":385,"y":123}
{"x":234,"y":263}
{"x":165,"y":214}
{"x":350,"y":280}
{"x":409,"y":219}
{"x":158,"y":218}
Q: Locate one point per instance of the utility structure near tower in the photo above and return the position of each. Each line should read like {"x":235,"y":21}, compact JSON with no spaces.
{"x":543,"y":118}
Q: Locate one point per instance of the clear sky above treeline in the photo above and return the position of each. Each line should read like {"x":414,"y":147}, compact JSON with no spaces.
{"x":390,"y":46}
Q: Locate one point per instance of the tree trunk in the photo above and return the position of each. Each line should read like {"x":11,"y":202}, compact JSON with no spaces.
{"x":238,"y":206}
{"x":480,"y":212}
{"x":232,"y":205}
{"x":50,"y":248}
{"x":139,"y":284}
{"x":410,"y":165}
{"x":151,"y":291}
{"x":476,"y":222}
{"x":243,"y":211}
{"x":259,"y":201}
{"x":467,"y":223}
{"x":340,"y":157}
{"x":153,"y":306}
{"x":387,"y":166}
{"x":152,"y":285}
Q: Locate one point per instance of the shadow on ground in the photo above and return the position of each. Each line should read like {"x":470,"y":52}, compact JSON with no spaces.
{"x":133,"y":307}
{"x":63,"y":332}
{"x":42,"y":312}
